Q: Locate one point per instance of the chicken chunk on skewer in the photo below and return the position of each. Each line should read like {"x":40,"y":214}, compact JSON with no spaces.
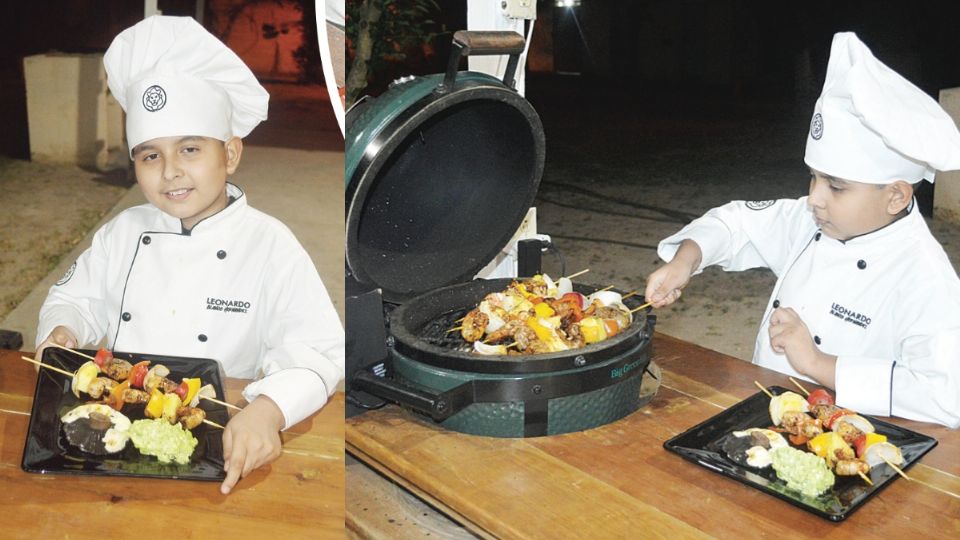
{"x":800,"y":423}
{"x":101,"y":386}
{"x":474,"y":325}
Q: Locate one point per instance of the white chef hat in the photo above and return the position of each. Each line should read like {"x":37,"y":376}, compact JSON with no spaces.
{"x":871,"y":125}
{"x":173,"y":78}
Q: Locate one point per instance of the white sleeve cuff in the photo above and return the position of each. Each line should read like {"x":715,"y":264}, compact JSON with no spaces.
{"x":69,"y":317}
{"x":863,"y":384}
{"x":299,"y":392}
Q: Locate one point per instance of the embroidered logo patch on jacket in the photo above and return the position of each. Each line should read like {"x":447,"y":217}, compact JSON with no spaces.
{"x":228,"y":306}
{"x":850,"y":316}
{"x":759,"y":205}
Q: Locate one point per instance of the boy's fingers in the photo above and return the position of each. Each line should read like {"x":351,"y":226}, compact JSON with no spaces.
{"x":227,"y":447}
{"x":234,"y":467}
{"x":249,"y":465}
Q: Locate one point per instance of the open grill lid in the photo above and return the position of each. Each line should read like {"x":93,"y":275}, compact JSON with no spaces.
{"x":440,"y":172}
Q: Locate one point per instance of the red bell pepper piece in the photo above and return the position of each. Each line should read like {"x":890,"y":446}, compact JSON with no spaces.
{"x":138,"y":373}
{"x":102,"y":357}
{"x":820,"y":397}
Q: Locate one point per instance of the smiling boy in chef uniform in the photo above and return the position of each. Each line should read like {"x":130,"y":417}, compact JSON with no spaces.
{"x":866,"y":301}
{"x":197,"y":272}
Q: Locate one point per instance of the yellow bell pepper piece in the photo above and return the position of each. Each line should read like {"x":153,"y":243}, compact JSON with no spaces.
{"x":544,"y":334}
{"x":523,"y":290}
{"x":543,"y":310}
{"x":154,"y":408}
{"x":171,"y":402}
{"x":592,"y":330}
{"x":821,"y":444}
{"x":874,"y":438}
{"x":193,"y":386}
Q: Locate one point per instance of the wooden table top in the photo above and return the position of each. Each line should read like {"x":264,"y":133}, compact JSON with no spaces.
{"x":617,"y":481}
{"x":300,"y":495}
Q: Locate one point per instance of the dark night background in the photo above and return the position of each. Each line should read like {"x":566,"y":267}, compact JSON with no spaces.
{"x":737,"y":48}
{"x":88,"y":26}
{"x":620,"y":84}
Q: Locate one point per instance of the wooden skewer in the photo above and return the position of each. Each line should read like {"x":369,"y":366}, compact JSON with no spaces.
{"x":634,"y":293}
{"x":898,"y":469}
{"x":641,"y":307}
{"x":68,"y":374}
{"x":865,"y":478}
{"x":514,"y":344}
{"x":607,"y":288}
{"x":762,"y":388}
{"x":78,"y":353}
{"x":224,"y":403}
{"x":455,"y":329}
{"x":48,"y":366}
{"x":800,"y":386}
{"x":580,"y":273}
{"x":214,"y":424}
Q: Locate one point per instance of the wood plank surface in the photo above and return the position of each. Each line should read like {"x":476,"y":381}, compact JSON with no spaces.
{"x":618,"y":480}
{"x":300,"y":495}
{"x":386,"y":509}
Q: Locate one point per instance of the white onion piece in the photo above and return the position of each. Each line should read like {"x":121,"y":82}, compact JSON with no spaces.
{"x":495,"y":323}
{"x":564,"y":286}
{"x":877,"y":452}
{"x":205,"y":391}
{"x":551,"y":285}
{"x":490,"y":350}
{"x":787,"y":401}
{"x":606,"y":298}
{"x":625,"y":309}
{"x":857,"y":421}
{"x":511,"y":301}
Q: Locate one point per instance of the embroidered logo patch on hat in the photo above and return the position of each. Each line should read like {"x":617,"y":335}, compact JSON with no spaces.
{"x":154,"y":98}
{"x":816,"y":126}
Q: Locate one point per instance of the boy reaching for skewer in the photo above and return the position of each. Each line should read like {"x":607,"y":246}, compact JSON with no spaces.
{"x":197,"y":272}
{"x":866,"y":301}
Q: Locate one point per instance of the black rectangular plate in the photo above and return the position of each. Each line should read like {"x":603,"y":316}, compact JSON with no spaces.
{"x":701,"y":445}
{"x":46,"y":450}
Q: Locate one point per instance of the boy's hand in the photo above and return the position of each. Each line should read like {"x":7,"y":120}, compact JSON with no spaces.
{"x":60,"y":335}
{"x":790,"y":336}
{"x":665,"y":283}
{"x":251,"y":440}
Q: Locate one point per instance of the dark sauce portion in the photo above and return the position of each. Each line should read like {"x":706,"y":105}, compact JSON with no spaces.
{"x":736,"y":447}
{"x":87,"y":433}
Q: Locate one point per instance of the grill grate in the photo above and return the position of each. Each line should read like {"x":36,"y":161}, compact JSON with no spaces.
{"x":437,"y":332}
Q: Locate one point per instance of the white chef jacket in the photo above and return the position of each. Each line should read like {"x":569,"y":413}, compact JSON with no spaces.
{"x":886,"y":303}
{"x":237,"y":288}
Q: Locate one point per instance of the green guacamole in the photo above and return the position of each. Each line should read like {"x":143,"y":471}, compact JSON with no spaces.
{"x":802,"y":471}
{"x":169,"y":442}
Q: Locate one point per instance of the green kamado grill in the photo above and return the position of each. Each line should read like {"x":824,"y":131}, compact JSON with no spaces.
{"x":440,"y":171}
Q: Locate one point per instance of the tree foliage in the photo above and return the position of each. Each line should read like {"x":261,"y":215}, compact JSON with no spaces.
{"x":381,"y":33}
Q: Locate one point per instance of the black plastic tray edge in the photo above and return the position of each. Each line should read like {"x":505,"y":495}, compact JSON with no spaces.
{"x":836,"y":518}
